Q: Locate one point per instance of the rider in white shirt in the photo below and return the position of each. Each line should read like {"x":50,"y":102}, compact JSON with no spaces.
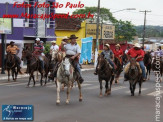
{"x":54,"y":47}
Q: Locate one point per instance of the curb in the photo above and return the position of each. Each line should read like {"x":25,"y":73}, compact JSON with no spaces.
{"x":27,"y":75}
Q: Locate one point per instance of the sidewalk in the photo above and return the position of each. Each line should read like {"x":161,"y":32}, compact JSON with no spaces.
{"x":84,"y":68}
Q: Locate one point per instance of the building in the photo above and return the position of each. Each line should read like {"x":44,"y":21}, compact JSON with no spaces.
{"x":26,"y":30}
{"x":68,"y":26}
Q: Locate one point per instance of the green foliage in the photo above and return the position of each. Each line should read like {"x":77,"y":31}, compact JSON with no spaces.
{"x":124,"y":31}
{"x":151,"y":31}
{"x":105,"y":13}
{"x":47,"y":48}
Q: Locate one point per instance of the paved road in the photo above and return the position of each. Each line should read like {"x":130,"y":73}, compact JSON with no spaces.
{"x":118,"y":107}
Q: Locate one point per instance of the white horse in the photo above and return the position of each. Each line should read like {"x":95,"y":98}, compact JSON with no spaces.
{"x":66,"y":75}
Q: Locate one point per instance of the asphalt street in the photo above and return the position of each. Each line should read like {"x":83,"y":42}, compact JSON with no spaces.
{"x":120,"y":106}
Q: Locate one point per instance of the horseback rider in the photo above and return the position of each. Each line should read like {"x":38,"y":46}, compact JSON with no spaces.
{"x":109,"y":55}
{"x":138,"y":53}
{"x":42,"y":44}
{"x":118,"y":52}
{"x":38,"y":49}
{"x":14,"y":50}
{"x":73,"y":52}
{"x":54,"y":47}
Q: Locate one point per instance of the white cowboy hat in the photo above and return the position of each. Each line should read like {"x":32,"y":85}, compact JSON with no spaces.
{"x":118,"y":45}
{"x":137,"y":45}
{"x":53,"y":41}
{"x":37,"y":39}
{"x":107,"y":45}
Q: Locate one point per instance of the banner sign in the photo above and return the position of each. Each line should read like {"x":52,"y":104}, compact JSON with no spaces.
{"x":5,"y":26}
{"x":17,"y":112}
{"x":86,"y":50}
{"x":108,"y":31}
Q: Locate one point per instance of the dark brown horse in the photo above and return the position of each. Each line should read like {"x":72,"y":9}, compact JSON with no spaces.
{"x":34,"y":64}
{"x":134,"y":76}
{"x":104,"y":73}
{"x":118,"y":70}
{"x":11,"y":64}
{"x":147,"y":63}
{"x":157,"y":66}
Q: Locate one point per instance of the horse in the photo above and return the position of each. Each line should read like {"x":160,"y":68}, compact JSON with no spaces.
{"x":118,"y":69}
{"x":124,"y":58}
{"x":134,"y":76}
{"x":147,"y":63}
{"x":67,"y":75}
{"x":33,"y":64}
{"x":104,"y":73}
{"x":157,"y":66}
{"x":11,"y":64}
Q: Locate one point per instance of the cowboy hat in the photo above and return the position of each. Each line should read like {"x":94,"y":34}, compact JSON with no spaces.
{"x":73,"y":37}
{"x":107,"y":45}
{"x":12,"y":42}
{"x":41,"y":42}
{"x":118,"y":45}
{"x":137,"y":45}
{"x":53,"y":41}
{"x":37,"y":39}
{"x":65,"y":38}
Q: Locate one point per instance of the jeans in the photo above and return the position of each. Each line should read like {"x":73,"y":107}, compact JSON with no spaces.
{"x":111,"y":63}
{"x":42,"y":62}
{"x":141,"y":63}
{"x":78,"y":68}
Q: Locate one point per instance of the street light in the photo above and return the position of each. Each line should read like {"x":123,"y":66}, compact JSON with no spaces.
{"x":124,"y":9}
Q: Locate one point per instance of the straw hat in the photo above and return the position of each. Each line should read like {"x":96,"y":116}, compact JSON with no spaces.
{"x":118,"y":45}
{"x":107,"y":45}
{"x":53,"y":41}
{"x":65,"y":38}
{"x":137,"y":45}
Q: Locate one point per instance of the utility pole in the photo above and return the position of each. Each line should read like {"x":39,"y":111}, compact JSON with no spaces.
{"x":145,"y":12}
{"x":97,"y":33}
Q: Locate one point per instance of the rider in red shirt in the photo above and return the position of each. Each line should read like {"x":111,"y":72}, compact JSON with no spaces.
{"x":118,"y":52}
{"x":138,"y":53}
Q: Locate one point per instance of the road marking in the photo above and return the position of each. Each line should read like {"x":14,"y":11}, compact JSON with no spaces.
{"x":16,"y":84}
{"x":9,"y":83}
{"x":155,"y":93}
{"x":137,"y":90}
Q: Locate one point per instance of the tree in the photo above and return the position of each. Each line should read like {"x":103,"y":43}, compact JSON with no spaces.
{"x":105,"y":13}
{"x":124,"y":31}
{"x":47,"y":48}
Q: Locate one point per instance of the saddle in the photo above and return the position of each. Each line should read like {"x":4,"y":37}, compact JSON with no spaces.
{"x":126,"y":69}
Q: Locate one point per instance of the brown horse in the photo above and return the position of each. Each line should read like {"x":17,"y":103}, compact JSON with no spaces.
{"x":33,"y":64}
{"x":147,"y":63}
{"x":118,"y":69}
{"x":104,"y":73}
{"x":134,"y":76}
{"x":157,"y":66}
{"x":11,"y":64}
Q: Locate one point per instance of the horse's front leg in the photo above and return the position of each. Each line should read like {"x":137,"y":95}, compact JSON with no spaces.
{"x":58,"y":92}
{"x":100,"y":81}
{"x":34,"y":82}
{"x":13,"y":74}
{"x":80,"y":93}
{"x":68,"y":93}
{"x":106,"y":88}
{"x":140,"y":83}
{"x":29,"y":79}
{"x":41,"y":78}
{"x":8,"y":74}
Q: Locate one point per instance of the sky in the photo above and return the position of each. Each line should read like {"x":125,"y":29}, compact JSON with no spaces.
{"x":155,"y":17}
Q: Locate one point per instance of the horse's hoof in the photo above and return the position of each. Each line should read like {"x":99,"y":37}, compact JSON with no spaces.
{"x":27,"y":86}
{"x":80,"y":100}
{"x":106,"y":94}
{"x":44,"y":84}
{"x":101,"y":95}
{"x":67,"y":102}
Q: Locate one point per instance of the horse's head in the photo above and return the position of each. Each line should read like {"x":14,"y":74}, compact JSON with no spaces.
{"x":101,"y":62}
{"x":26,"y":53}
{"x":66,"y":66}
{"x":133,"y":70}
{"x":54,"y":55}
{"x":9,"y":57}
{"x":133,"y":63}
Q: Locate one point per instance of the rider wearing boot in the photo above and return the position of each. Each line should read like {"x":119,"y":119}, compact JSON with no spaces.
{"x":13,"y":49}
{"x":38,"y":49}
{"x":108,"y":54}
{"x":73,"y":52}
{"x":138,"y":53}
